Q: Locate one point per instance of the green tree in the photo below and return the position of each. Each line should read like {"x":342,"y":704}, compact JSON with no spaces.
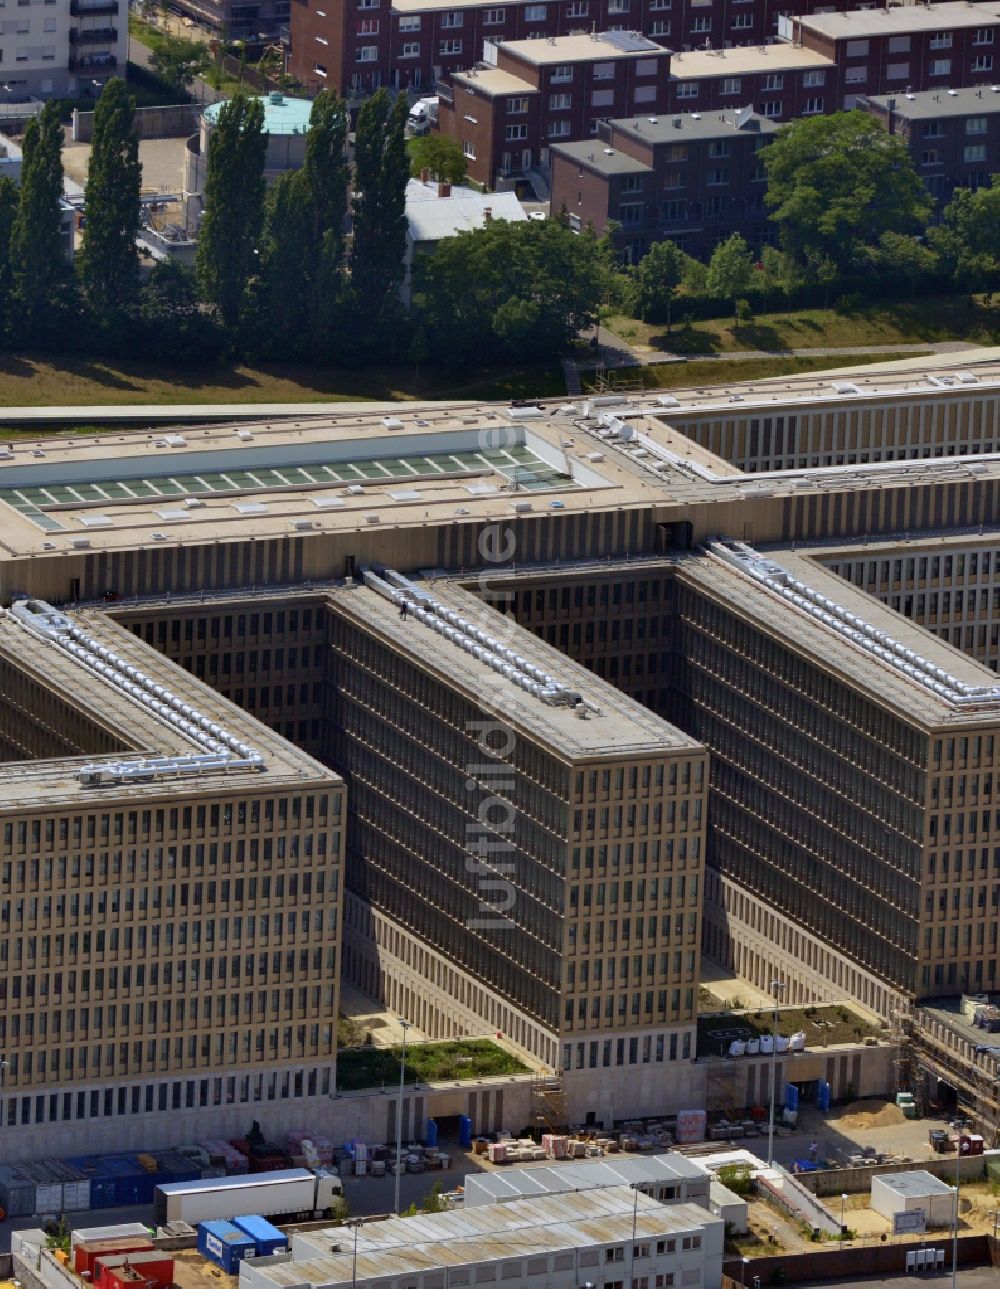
{"x":730,"y":270}
{"x":304,"y":238}
{"x":109,"y":260}
{"x":434,"y":1201}
{"x":441,"y":155}
{"x":326,"y":168}
{"x":657,"y":276}
{"x":38,"y":253}
{"x":904,"y":256}
{"x":8,"y":213}
{"x":968,"y":237}
{"x":234,"y":208}
{"x":519,"y":290}
{"x":171,"y":322}
{"x":781,"y":273}
{"x":178,"y":60}
{"x":838,"y":182}
{"x":381,"y":173}
{"x":285,"y":259}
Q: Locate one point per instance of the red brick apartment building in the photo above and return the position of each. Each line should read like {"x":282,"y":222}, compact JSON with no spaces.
{"x":779,"y":81}
{"x":912,"y":47}
{"x":535,"y":93}
{"x":953,"y":135}
{"x":356,"y":46}
{"x":695,"y":179}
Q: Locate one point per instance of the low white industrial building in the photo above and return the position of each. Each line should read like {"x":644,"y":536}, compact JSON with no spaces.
{"x":601,"y":1237}
{"x":894,"y":1193}
{"x":732,"y":1208}
{"x":436,"y":211}
{"x":670,"y":1178}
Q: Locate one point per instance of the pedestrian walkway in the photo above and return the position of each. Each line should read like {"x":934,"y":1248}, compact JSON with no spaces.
{"x":618,"y":353}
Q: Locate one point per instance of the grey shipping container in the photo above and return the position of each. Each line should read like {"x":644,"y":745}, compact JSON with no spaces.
{"x":48,"y":1199}
{"x":16,"y":1196}
{"x":76,"y":1196}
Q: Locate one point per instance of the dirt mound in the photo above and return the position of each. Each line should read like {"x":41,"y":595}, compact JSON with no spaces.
{"x":871,"y":1114}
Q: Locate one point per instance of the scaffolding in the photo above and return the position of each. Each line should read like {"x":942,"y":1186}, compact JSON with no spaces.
{"x":548,"y":1102}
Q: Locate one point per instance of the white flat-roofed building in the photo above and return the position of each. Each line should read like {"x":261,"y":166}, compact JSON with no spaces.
{"x":670,"y":1178}
{"x":908,"y":1192}
{"x":599,"y":1237}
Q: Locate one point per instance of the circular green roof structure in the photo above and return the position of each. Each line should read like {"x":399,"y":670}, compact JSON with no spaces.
{"x":282,"y":115}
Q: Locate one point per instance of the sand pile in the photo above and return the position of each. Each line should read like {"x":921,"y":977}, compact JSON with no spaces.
{"x":871,"y":1114}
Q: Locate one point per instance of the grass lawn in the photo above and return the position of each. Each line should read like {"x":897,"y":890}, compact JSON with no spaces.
{"x":821,"y":1025}
{"x":81,"y":382}
{"x":370,"y":1067}
{"x":717,"y":371}
{"x":902,"y":322}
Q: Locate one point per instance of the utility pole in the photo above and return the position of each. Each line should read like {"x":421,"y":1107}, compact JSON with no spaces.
{"x":777,"y":988}
{"x":399,"y":1112}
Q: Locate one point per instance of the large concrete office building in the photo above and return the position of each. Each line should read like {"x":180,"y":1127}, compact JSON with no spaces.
{"x":170,"y":895}
{"x":596,"y":682}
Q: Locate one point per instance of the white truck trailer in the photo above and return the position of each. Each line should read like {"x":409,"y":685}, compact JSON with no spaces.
{"x":292,"y":1193}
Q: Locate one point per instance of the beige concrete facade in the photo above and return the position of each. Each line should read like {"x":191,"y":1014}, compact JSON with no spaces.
{"x":169,"y":942}
{"x":526,"y":831}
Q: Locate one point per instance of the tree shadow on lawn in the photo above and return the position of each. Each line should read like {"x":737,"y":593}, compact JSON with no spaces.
{"x":23,"y":368}
{"x":686,"y":339}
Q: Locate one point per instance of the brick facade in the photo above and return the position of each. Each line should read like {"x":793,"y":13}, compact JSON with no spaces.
{"x":693,"y":180}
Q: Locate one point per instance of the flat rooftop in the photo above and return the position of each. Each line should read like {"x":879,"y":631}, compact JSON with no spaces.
{"x":212,"y":482}
{"x":145,"y":730}
{"x":614,"y":725}
{"x":491,"y":82}
{"x":523,"y":1183}
{"x":859,"y":23}
{"x":602,"y":157}
{"x":282,"y":114}
{"x":915,"y":1185}
{"x":598,"y":47}
{"x":833,"y":648}
{"x":681,"y":126}
{"x":602,"y":160}
{"x":411,"y":466}
{"x":745,"y":61}
{"x":936,"y":104}
{"x":490,"y":1233}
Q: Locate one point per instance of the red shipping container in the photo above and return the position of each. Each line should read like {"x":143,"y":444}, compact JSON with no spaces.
{"x":86,"y":1253}
{"x":135,"y":1269}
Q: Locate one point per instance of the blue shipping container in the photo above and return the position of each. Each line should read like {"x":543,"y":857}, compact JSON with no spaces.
{"x":225,"y":1245}
{"x":103,"y":1184}
{"x":133,"y":1185}
{"x":267,"y":1238}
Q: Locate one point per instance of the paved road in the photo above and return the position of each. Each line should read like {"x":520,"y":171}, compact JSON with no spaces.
{"x":365,"y":1195}
{"x":971,"y":1278}
{"x":644,"y":354}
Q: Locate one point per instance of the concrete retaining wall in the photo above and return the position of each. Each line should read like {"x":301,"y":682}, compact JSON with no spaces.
{"x":172,"y":122}
{"x":867,"y":1263}
{"x":836,"y":1181}
{"x":492,"y":1103}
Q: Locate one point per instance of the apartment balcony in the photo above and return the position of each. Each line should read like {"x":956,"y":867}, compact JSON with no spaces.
{"x":96,"y":36}
{"x":93,"y":8}
{"x":94,"y":64}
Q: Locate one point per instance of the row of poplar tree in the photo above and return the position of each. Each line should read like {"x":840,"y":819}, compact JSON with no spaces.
{"x":273,"y":277}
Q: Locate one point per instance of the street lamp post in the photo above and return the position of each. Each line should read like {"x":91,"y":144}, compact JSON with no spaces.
{"x":843,"y":1206}
{"x":399,"y":1112}
{"x":631,"y":1251}
{"x":777,"y":988}
{"x":960,"y":1124}
{"x":743,"y":1272}
{"x":354,"y":1260}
